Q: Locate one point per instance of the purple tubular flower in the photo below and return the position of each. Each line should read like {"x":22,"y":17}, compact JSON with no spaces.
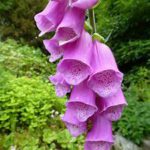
{"x":75,"y":127}
{"x":84,"y":4}
{"x":54,"y":49}
{"x":61,"y":87}
{"x":82,"y":102}
{"x":106,"y":78}
{"x":75,"y":66}
{"x":112,"y":107}
{"x":100,"y":136}
{"x":51,"y":16}
{"x":71,"y":26}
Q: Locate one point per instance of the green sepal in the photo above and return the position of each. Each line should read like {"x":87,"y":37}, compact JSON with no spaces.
{"x":87,"y":26}
{"x":98,"y":37}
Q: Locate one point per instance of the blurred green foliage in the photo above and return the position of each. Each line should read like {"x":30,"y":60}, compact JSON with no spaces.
{"x":22,"y":60}
{"x":49,"y":139}
{"x":17,"y":19}
{"x":5,"y":5}
{"x":134,"y":52}
{"x":127,"y":20}
{"x":25,"y":103}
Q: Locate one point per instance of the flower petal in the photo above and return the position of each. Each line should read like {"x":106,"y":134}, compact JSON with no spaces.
{"x":54,"y":49}
{"x":51,"y":16}
{"x":84,"y":4}
{"x":97,"y":145}
{"x":106,"y":78}
{"x":75,"y":127}
{"x":100,"y":136}
{"x":82,"y":102}
{"x":61,"y":87}
{"x":112,"y":107}
{"x":75,"y":66}
{"x":114,"y":113}
{"x":71,"y":26}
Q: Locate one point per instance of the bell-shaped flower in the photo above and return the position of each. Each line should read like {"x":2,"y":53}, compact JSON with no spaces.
{"x":61,"y":87}
{"x":106,"y":78}
{"x":54,"y":49}
{"x":75,"y":66}
{"x":83,"y":4}
{"x":100,"y":136}
{"x":75,"y":127}
{"x":51,"y":16}
{"x":112,"y":107}
{"x":82,"y":102}
{"x":71,"y":26}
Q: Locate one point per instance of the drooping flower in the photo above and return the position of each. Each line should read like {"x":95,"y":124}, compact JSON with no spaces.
{"x":100,"y":136}
{"x":82,"y":102}
{"x":71,"y":26}
{"x":61,"y":87}
{"x":88,"y":68}
{"x":112,"y":107}
{"x":106,"y":78}
{"x":75,"y":66}
{"x":83,"y":4}
{"x":54,"y":49}
{"x":75,"y":127}
{"x":51,"y":16}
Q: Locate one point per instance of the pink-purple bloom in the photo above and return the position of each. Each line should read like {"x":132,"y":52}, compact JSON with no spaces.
{"x":75,"y":127}
{"x":51,"y":16}
{"x":82,"y":4}
{"x":71,"y":26}
{"x":61,"y":87}
{"x":112,"y":107}
{"x":52,"y":46}
{"x":87,"y":72}
{"x":75,"y":65}
{"x":82,"y":102}
{"x":106,"y":78}
{"x":100,"y":136}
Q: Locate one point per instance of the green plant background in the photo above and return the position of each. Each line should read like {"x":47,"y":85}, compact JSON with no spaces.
{"x":30,"y":112}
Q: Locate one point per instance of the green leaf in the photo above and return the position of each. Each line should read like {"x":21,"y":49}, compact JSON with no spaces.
{"x":49,"y":136}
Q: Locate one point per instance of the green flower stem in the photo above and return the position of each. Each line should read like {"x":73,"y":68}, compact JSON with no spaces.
{"x":92,"y":20}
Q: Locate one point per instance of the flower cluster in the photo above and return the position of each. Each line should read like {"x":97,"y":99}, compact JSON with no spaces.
{"x":87,"y":70}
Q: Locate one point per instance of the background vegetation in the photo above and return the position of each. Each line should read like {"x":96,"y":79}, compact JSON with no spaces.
{"x":29,"y":110}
